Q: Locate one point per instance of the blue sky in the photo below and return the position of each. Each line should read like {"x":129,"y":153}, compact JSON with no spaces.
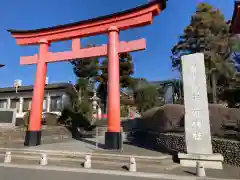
{"x":154,"y":63}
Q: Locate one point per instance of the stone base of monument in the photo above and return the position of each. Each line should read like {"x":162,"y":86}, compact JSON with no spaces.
{"x":209,"y":161}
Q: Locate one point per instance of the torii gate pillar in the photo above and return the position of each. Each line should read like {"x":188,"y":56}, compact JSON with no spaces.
{"x":113,"y":136}
{"x":33,"y":133}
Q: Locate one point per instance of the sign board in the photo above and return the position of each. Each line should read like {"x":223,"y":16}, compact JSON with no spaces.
{"x":7,"y":117}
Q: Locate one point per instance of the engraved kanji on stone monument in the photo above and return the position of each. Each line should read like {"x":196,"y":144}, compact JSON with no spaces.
{"x":196,"y":123}
{"x":197,"y":136}
{"x":196,"y":113}
{"x":197,"y":128}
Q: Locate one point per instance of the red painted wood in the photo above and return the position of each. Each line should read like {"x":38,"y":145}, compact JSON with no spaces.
{"x":99,"y":51}
{"x":135,"y":19}
{"x":38,"y":92}
{"x":113,"y":97}
{"x":76,"y":44}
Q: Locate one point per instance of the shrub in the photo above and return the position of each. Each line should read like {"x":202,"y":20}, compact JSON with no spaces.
{"x":146,"y":98}
{"x":170,"y":118}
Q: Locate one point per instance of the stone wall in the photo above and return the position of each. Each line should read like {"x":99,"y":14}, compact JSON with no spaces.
{"x":173,"y":143}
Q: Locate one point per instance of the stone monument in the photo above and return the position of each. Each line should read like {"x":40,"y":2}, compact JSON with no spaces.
{"x":197,"y":125}
{"x":7,"y":118}
{"x":95,"y":100}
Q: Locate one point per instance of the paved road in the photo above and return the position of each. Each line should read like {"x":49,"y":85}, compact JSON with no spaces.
{"x":30,"y":172}
{"x":7,"y":173}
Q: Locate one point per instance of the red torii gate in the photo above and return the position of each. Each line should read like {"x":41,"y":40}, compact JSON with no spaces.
{"x":111,"y":25}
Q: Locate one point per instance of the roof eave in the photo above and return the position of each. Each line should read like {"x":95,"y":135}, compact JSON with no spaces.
{"x":30,"y":88}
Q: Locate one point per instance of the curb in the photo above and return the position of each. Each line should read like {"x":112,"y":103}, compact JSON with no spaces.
{"x":117,"y":163}
{"x":36,"y":151}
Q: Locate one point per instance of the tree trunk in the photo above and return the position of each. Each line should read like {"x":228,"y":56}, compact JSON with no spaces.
{"x":80,"y":95}
{"x":212,"y":81}
{"x":214,"y":87}
{"x":181,"y":91}
{"x":105,"y":96}
{"x":104,"y":106}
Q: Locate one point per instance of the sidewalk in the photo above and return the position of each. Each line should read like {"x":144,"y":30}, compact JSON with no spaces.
{"x":113,"y":162}
{"x":161,"y":163}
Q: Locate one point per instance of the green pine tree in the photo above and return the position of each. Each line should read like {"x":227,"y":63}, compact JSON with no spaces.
{"x":208,"y":33}
{"x":86,"y":70}
{"x":125,"y":71}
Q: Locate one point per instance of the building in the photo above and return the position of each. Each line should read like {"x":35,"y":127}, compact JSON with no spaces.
{"x":232,"y":94}
{"x":235,"y":23}
{"x":21,"y":98}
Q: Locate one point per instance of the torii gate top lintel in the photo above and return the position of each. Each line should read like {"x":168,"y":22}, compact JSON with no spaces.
{"x":131,"y":18}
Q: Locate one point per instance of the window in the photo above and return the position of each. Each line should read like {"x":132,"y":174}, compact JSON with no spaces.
{"x":3,"y":103}
{"x":56,"y":103}
{"x":15,"y":104}
{"x":27,"y":102}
